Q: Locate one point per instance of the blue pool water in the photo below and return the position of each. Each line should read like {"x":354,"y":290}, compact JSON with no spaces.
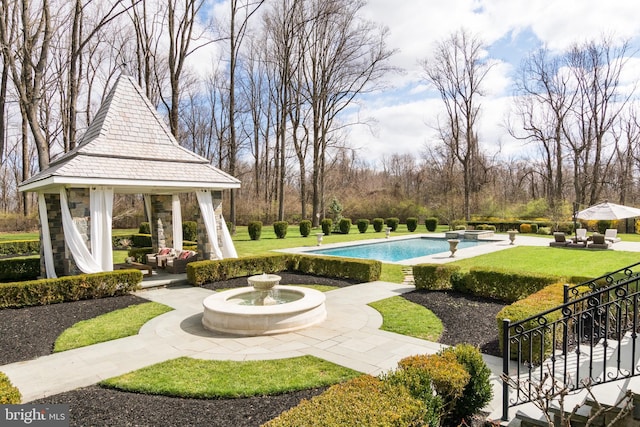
{"x":397,"y":250}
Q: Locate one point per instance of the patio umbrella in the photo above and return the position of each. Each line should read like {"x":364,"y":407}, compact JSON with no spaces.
{"x":608,"y":210}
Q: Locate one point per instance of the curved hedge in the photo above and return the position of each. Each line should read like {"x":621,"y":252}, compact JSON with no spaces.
{"x":69,"y":288}
{"x":201,"y":272}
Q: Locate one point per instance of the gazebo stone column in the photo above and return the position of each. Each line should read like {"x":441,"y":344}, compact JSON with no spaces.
{"x":80,"y":209}
{"x":58,"y":246}
{"x":161,"y":210}
{"x":205,"y":250}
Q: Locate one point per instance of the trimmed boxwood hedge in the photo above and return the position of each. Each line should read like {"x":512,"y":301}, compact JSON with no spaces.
{"x":19,"y":247}
{"x":69,"y":288}
{"x":538,"y":302}
{"x":507,"y":286}
{"x":305,"y":227}
{"x":363,"y":225}
{"x":14,"y":269}
{"x":9,"y":395}
{"x":363,"y":401}
{"x":201,"y":272}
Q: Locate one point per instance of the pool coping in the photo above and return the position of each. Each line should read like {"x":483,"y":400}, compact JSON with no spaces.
{"x":494,"y":243}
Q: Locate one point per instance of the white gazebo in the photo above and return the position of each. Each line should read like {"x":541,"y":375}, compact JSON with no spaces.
{"x":127,"y":149}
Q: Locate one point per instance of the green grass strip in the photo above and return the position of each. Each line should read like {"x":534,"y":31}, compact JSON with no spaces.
{"x":110,"y":326}
{"x":205,"y":379}
{"x":408,"y":318}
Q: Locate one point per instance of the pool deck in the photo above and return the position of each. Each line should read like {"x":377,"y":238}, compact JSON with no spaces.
{"x":494,"y":243}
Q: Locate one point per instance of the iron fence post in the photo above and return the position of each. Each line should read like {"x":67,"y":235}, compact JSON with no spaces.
{"x":506,"y":347}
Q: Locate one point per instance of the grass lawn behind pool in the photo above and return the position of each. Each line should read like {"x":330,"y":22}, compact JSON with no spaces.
{"x":205,"y":379}
{"x":555,"y":261}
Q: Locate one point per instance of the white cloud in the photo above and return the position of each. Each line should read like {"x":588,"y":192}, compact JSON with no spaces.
{"x":520,"y":26}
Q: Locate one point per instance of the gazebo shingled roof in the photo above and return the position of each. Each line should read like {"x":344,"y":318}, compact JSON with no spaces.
{"x":128,"y":147}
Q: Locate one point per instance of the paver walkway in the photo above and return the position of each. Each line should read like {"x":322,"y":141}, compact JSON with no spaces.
{"x":349,"y":337}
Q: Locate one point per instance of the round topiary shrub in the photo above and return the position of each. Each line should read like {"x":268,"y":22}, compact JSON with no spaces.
{"x":392,"y":223}
{"x":534,"y":228}
{"x":345,"y":225}
{"x":305,"y":227}
{"x":363,"y":225}
{"x":190,"y":231}
{"x":412,"y":224}
{"x":255,"y":229}
{"x":144,"y":228}
{"x":478,"y":392}
{"x":525,"y":228}
{"x":378,"y":223}
{"x":280,"y":228}
{"x":431,"y":224}
{"x":326,"y":225}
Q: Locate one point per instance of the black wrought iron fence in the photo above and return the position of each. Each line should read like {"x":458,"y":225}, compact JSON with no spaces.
{"x":588,"y":340}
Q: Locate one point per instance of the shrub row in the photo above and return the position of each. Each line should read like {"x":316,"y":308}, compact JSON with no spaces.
{"x":440,"y":389}
{"x":538,"y":302}
{"x":141,"y":240}
{"x":15,"y":269}
{"x":9,"y":395}
{"x":504,"y":226}
{"x":201,"y":272}
{"x":19,"y":247}
{"x":503,"y":285}
{"x":69,"y":288}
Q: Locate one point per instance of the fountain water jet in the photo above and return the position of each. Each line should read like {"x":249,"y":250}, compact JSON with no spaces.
{"x":264,"y":308}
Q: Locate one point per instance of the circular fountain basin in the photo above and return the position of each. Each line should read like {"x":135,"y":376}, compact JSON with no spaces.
{"x":229,"y":311}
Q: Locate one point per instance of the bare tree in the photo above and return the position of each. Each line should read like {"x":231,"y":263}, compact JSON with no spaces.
{"x":545,"y":97}
{"x":26,"y":41}
{"x":596,"y":68}
{"x":457,"y":70}
{"x":343,"y":57}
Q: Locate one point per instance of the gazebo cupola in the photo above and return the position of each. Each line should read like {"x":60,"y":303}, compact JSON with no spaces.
{"x":127,"y":149}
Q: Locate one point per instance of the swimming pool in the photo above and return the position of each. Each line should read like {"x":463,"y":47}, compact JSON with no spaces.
{"x":397,"y":250}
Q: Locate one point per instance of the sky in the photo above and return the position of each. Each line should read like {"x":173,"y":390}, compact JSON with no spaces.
{"x":403,"y":116}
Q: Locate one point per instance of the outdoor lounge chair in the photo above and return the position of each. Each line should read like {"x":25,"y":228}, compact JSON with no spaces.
{"x":158,"y":259}
{"x":178,"y":264}
{"x":611,"y":235}
{"x":581,"y":236}
{"x":598,"y":242}
{"x":559,"y":240}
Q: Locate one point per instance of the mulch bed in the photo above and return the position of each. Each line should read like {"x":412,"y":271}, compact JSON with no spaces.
{"x":30,"y":332}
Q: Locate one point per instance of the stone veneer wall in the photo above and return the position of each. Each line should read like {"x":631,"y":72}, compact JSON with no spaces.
{"x":58,"y":246}
{"x":204,"y":245}
{"x":80,"y":208}
{"x":161,"y":210}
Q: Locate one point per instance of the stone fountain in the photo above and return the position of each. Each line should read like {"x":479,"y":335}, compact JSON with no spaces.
{"x":264,"y":308}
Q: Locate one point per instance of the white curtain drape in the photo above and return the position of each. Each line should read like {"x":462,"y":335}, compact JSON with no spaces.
{"x":101,"y":206}
{"x":147,"y":210}
{"x":81,"y":255}
{"x":177,"y":222}
{"x":228,"y":249}
{"x":209,"y":217}
{"x":46,"y":238}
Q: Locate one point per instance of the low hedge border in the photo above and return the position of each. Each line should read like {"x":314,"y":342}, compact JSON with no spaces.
{"x":69,"y":288}
{"x":536,"y":303}
{"x":16,"y":269}
{"x":19,"y":247}
{"x":503,"y":285}
{"x":201,"y":272}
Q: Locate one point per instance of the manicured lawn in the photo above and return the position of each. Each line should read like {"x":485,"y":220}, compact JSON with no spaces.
{"x":205,"y":379}
{"x":556,"y":261}
{"x":110,"y":326}
{"x":407,"y":318}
